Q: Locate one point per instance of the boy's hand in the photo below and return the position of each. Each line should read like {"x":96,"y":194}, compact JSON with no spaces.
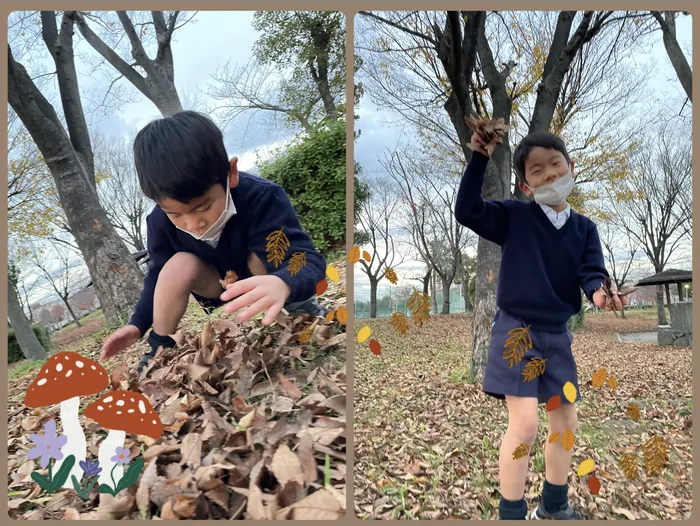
{"x":120,"y":340}
{"x":599,"y":300}
{"x":477,"y":144}
{"x":259,"y":293}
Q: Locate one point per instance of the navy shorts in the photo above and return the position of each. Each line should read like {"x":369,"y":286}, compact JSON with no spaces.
{"x":554,"y":347}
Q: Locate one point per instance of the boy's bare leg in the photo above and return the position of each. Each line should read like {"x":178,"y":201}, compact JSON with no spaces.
{"x":182,"y":273}
{"x":522,"y":429}
{"x":557,"y":459}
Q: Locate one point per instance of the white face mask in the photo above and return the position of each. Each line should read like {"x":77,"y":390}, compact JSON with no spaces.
{"x":554,"y":193}
{"x":213,"y":233}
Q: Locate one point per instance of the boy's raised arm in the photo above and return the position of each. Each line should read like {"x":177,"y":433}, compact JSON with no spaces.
{"x":487,"y":219}
{"x":592,"y":273}
{"x":160,"y":251}
{"x":277,"y":213}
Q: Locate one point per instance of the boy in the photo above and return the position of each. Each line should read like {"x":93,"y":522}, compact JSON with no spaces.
{"x":210,"y":218}
{"x":549,"y":253}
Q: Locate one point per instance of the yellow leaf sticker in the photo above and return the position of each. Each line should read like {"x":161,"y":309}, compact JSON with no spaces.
{"x":363,"y":334}
{"x":333,"y":274}
{"x":585,"y":467}
{"x":570,"y":392}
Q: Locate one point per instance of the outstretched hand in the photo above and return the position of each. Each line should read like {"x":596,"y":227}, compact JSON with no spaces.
{"x":477,"y":143}
{"x":260,"y":293}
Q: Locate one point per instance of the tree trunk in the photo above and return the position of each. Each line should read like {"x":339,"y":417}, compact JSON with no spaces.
{"x":70,"y":310}
{"x":433,"y":292}
{"x":426,"y":281}
{"x":674,"y":51}
{"x":465,"y":294}
{"x":446,"y":296}
{"x":372,"y":298}
{"x":114,"y":272}
{"x":27,"y":340}
{"x":319,"y":72}
{"x":661,"y":311}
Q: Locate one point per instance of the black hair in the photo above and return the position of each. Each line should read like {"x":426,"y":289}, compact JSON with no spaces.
{"x":180,"y":157}
{"x":532,"y":140}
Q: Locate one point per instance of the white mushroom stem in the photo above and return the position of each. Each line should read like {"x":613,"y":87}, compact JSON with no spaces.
{"x":108,"y":449}
{"x":76,"y":444}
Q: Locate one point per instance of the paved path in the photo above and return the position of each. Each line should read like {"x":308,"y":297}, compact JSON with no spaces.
{"x":638,"y":337}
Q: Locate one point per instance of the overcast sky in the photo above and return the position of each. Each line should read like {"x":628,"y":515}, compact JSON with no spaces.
{"x":382,"y":129}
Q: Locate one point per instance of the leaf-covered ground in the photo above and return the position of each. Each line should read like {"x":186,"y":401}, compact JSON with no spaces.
{"x":426,"y":438}
{"x":254,"y":423}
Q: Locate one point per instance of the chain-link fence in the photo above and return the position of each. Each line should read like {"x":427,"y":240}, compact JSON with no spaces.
{"x":389,"y":300}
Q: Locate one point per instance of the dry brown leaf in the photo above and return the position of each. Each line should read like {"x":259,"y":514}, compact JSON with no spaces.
{"x":306,"y":457}
{"x":305,"y":336}
{"x":256,"y":508}
{"x":207,"y":336}
{"x":491,"y":131}
{"x":289,"y":388}
{"x":320,"y":505}
{"x":625,"y":512}
{"x":286,"y":466}
{"x":191,"y":449}
{"x":149,"y":476}
{"x":337,"y":403}
{"x":220,"y":496}
{"x":71,"y":514}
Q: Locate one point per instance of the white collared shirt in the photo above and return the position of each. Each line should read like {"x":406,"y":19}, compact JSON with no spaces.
{"x":558,"y":219}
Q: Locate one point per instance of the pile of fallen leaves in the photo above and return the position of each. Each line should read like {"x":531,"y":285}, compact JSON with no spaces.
{"x":427,"y":439}
{"x":254,"y":428}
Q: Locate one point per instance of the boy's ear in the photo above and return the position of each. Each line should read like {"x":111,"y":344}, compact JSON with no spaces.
{"x":571,"y":165}
{"x":525,"y":189}
{"x":233,"y":173}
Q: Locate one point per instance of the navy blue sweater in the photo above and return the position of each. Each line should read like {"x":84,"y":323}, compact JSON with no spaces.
{"x":262,"y":207}
{"x":542,"y":269}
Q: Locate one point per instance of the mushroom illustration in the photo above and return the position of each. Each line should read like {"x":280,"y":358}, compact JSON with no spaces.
{"x":63,"y":379}
{"x":121,"y":412}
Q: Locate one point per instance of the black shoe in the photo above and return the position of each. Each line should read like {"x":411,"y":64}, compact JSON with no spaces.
{"x":566,"y":514}
{"x":310,"y":306}
{"x":143,"y":362}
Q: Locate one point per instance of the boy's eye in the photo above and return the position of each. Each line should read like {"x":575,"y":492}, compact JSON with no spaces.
{"x":204,"y":209}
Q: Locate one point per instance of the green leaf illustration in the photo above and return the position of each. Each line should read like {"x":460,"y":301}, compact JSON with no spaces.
{"x":62,"y":475}
{"x":41,"y":480}
{"x":77,"y":488}
{"x":131,"y":475}
{"x":104,"y":488}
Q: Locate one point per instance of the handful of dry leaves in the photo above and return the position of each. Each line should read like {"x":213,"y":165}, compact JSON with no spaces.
{"x":491,"y":131}
{"x":607,"y":292}
{"x":229,"y":279}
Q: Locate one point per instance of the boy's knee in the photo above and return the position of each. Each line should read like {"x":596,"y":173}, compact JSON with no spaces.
{"x":525,"y":429}
{"x":182,"y":268}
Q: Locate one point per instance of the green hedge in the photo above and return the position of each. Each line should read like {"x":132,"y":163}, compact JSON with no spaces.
{"x":14,"y":352}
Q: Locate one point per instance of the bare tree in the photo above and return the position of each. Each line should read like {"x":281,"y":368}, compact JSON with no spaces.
{"x":652,"y":202}
{"x":116,"y":276}
{"x":119,"y":189}
{"x":63,"y":271}
{"x":376,"y":221}
{"x":429,"y":192}
{"x":153,"y":77}
{"x":619,"y":252}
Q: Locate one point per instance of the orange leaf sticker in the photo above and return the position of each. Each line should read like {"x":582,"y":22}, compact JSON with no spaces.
{"x":305,"y":336}
{"x":375,"y":347}
{"x":518,"y":342}
{"x":366,"y":256}
{"x":594,"y":485}
{"x":277,"y":245}
{"x":521,"y":451}
{"x":568,"y":439}
{"x":342,"y":315}
{"x":296,"y":263}
{"x":612,"y":383}
{"x":390,"y":275}
{"x":330,"y":316}
{"x":354,"y":254}
{"x":599,"y":377}
{"x":321,"y":287}
{"x":554,"y":437}
{"x":553,"y":403}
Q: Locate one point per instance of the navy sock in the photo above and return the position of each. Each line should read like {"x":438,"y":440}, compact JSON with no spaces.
{"x":155,"y":340}
{"x":510,"y":510}
{"x":554,"y":497}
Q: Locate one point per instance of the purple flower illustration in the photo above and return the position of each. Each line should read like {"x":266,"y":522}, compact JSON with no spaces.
{"x":47,"y":446}
{"x":90,"y":467}
{"x":121,"y":456}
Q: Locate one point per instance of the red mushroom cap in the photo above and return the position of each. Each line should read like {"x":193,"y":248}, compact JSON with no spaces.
{"x":64,"y":376}
{"x":126,"y":411}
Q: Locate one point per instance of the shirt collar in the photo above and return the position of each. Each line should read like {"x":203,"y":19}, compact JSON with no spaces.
{"x":549,"y":210}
